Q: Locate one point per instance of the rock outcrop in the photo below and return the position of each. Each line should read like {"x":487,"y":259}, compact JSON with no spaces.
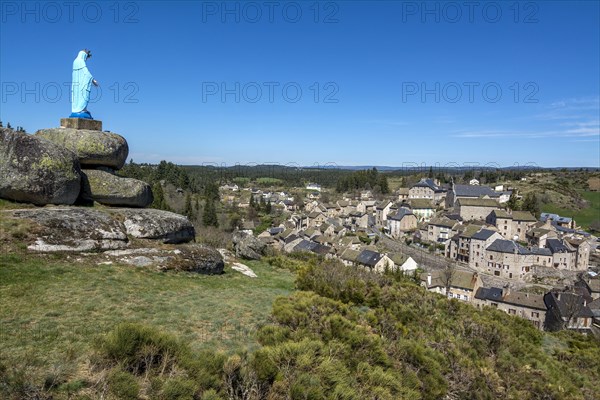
{"x":187,"y":257}
{"x":84,"y":229}
{"x":72,"y":229}
{"x":37,"y":171}
{"x":247,"y":246}
{"x":109,"y":189}
{"x":154,"y":224}
{"x":93,"y":148}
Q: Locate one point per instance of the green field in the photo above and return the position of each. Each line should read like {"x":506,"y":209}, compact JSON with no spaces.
{"x":54,"y":308}
{"x":585,"y":216}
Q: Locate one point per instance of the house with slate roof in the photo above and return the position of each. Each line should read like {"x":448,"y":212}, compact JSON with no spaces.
{"x":539,"y":233}
{"x":508,"y":259}
{"x":528,"y":306}
{"x":439,"y":230}
{"x":469,"y":192}
{"x":459,"y":246}
{"x":582,"y":252}
{"x":479,"y":241}
{"x":564,"y":222}
{"x":564,"y":256}
{"x":513,"y":225}
{"x":476,"y":208}
{"x":567,"y":310}
{"x":427,"y":189}
{"x":374,"y":261}
{"x":541,"y":256}
{"x":382,"y":209}
{"x":400,"y":222}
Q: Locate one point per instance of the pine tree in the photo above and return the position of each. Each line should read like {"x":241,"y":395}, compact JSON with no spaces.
{"x":8,"y":126}
{"x":430,"y":174}
{"x":209,"y":217}
{"x":188,"y":211}
{"x":512,"y":202}
{"x":268,"y":207}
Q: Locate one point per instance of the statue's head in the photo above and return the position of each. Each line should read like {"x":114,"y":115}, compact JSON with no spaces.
{"x":88,"y":52}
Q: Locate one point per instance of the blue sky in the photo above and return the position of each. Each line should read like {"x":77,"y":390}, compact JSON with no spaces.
{"x":313,"y":83}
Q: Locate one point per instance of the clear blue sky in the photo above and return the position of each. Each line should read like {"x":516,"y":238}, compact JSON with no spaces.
{"x":388,"y":77}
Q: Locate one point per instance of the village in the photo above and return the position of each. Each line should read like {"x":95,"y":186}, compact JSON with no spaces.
{"x":460,"y":240}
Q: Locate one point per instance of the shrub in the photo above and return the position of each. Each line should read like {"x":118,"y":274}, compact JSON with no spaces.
{"x":178,"y":389}
{"x":123,"y":385}
{"x":139,"y":348}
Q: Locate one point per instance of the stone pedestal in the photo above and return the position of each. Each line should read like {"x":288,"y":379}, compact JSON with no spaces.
{"x":81,"y":123}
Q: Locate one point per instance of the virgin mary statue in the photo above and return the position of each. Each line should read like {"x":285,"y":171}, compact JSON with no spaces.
{"x":81,"y":86}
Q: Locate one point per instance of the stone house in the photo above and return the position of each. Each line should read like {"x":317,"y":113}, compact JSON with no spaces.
{"x":462,"y":285}
{"x":512,"y":225}
{"x":528,"y":306}
{"x":582,"y":252}
{"x":592,"y":285}
{"x":366,"y":206}
{"x":349,"y":256}
{"x":475,"y":209}
{"x":403,"y":263}
{"x":426,"y":189}
{"x":382,"y":210}
{"x":439,"y":230}
{"x":479,"y":241}
{"x":316,"y":218}
{"x":402,"y":193}
{"x":469,"y":192}
{"x":422,"y":208}
{"x":459,"y":246}
{"x":374,"y":261}
{"x":508,"y":259}
{"x":400,"y":222}
{"x":541,"y":256}
{"x":564,"y":222}
{"x":539,"y":233}
{"x":564,"y":256}
{"x":359,"y":219}
{"x":567,"y":310}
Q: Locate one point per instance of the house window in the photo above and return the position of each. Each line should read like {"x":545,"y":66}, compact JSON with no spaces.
{"x":512,"y":311}
{"x":497,"y":273}
{"x":535,"y":314}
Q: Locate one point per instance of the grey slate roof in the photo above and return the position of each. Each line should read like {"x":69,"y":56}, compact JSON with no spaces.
{"x":369,"y":257}
{"x":427,"y":183}
{"x":483,"y":234}
{"x":554,"y":217}
{"x":541,"y":251}
{"x":507,"y":246}
{"x":474,"y":191}
{"x":401,"y":213}
{"x":556,"y":246}
{"x":569,"y":303}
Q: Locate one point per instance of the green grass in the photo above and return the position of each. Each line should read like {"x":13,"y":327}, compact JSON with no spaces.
{"x":54,"y":308}
{"x":583,"y":217}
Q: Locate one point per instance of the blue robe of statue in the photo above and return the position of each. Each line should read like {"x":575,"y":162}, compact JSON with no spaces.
{"x":80,"y":87}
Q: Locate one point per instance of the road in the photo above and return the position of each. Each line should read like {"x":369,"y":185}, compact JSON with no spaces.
{"x":425,"y":259}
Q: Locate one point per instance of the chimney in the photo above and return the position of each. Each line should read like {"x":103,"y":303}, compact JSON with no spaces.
{"x":558,"y":296}
{"x":505,"y":291}
{"x":584,"y":302}
{"x":428,"y":280}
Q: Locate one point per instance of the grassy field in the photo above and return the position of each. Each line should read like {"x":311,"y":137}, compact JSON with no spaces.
{"x":54,"y":307}
{"x":584,"y":216}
